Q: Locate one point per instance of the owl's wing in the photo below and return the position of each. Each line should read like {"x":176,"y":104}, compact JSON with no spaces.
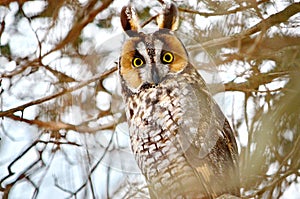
{"x":207,"y":141}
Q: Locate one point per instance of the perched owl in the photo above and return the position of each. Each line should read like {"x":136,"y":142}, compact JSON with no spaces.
{"x":181,"y":140}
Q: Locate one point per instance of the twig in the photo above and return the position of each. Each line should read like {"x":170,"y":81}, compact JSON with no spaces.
{"x":65,"y":91}
{"x":207,"y":14}
{"x":91,"y":171}
{"x":77,"y":28}
{"x":265,"y":24}
{"x":148,"y":20}
{"x":255,"y":81}
{"x":251,"y":84}
{"x":58,"y":125}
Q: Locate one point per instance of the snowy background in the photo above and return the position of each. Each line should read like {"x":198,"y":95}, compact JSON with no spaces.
{"x":63,"y":128}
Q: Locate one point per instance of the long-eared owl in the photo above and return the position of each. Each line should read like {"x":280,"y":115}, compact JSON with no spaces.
{"x":181,"y":140}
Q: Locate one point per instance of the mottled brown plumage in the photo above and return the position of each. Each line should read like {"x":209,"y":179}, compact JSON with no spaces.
{"x":181,"y":140}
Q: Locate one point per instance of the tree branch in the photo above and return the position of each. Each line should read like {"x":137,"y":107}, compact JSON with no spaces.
{"x":254,"y":82}
{"x":77,"y":28}
{"x":58,"y":125}
{"x":207,"y":14}
{"x":265,"y":24}
{"x":64,"y":91}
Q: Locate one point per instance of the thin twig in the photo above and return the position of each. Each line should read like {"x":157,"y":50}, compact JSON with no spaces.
{"x":64,"y":91}
{"x":265,"y":24}
{"x":227,"y":12}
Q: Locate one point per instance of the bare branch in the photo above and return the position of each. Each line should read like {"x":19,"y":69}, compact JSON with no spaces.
{"x":58,"y":125}
{"x":265,"y":24}
{"x":233,"y":11}
{"x":252,"y":84}
{"x":65,"y":91}
{"x":76,"y":30}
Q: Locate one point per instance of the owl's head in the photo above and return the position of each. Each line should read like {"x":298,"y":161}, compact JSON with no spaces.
{"x":148,"y":59}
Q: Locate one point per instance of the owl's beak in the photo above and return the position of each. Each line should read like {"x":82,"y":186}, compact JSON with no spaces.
{"x":155,"y":75}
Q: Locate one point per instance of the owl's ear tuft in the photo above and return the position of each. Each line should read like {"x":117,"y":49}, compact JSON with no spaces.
{"x":169,"y":19}
{"x":129,"y":20}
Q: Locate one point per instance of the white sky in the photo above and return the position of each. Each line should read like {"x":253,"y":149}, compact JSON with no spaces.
{"x":25,"y":43}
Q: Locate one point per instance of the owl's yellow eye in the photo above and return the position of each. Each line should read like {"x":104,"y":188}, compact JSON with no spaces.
{"x":167,"y":58}
{"x":137,"y":62}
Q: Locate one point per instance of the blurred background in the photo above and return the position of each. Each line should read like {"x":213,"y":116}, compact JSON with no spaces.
{"x":63,"y":128}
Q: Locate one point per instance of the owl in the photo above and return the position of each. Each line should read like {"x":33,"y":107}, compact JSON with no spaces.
{"x":183,"y":144}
